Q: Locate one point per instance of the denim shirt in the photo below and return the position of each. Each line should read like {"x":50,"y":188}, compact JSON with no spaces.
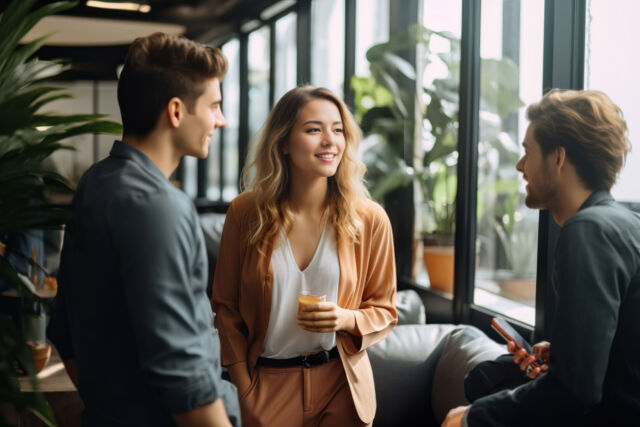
{"x":594,"y":370}
{"x":132,"y":308}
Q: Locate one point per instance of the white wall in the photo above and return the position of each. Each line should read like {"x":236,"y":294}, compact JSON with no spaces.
{"x":612,"y":65}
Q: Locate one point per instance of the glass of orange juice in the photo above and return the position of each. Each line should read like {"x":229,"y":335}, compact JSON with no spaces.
{"x":307,"y":298}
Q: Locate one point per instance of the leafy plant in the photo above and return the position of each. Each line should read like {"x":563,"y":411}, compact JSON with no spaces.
{"x":27,"y":138}
{"x":390,"y":112}
{"x":520,"y":242}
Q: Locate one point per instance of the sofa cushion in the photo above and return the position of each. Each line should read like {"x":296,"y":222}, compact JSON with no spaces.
{"x":403,"y":367}
{"x":462,"y":350}
{"x":410,"y":308}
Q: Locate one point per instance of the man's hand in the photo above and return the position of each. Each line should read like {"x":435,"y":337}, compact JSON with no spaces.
{"x":326,"y":317}
{"x":454,"y":417}
{"x":541,"y":351}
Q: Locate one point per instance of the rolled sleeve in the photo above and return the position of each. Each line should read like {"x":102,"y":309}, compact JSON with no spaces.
{"x":171,"y":320}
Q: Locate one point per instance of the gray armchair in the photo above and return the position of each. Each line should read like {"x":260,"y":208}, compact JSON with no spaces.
{"x":419,"y":368}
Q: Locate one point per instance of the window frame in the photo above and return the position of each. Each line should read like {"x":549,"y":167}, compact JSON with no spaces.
{"x":563,"y":67}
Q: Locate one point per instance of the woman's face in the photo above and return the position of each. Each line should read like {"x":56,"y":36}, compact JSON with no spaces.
{"x":316,"y":141}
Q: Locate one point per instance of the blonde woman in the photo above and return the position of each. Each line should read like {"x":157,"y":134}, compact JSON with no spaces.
{"x":305,"y":223}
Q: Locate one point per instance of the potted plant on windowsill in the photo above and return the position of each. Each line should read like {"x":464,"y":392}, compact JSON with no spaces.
{"x":27,"y":138}
{"x":439,"y":224}
{"x":519,"y":240}
{"x":386,"y":112}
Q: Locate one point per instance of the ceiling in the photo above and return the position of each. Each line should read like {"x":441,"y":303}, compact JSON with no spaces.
{"x":96,"y":39}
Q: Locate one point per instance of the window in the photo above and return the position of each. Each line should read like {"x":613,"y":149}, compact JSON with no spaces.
{"x":231,"y":109}
{"x":213,"y":166}
{"x":372,"y":27}
{"x":610,"y":66}
{"x":285,"y":55}
{"x":190,"y":176}
{"x":434,"y":197}
{"x":511,"y":48}
{"x":259,"y":73}
{"x":327,"y":45}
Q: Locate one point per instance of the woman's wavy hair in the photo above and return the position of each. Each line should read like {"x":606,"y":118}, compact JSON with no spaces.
{"x":268,"y":174}
{"x":591,"y":129}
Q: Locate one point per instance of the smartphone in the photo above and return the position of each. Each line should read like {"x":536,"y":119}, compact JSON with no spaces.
{"x":508,"y":333}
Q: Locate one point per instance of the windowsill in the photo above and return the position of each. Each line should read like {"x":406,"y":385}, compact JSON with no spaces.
{"x":504,"y":306}
{"x":485,"y":295}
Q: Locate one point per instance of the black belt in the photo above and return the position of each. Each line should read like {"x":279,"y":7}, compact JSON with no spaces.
{"x":306,"y":360}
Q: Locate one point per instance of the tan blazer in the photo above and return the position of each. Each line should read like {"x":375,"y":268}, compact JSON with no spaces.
{"x":242,"y":294}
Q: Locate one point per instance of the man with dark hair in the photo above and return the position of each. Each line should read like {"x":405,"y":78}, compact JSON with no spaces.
{"x":132,"y":320}
{"x":575,"y":147}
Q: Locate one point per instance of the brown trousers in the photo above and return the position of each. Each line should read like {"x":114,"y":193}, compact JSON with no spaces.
{"x":298,"y":396}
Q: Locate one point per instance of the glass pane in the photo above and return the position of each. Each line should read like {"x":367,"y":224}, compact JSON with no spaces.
{"x":611,"y":66}
{"x":437,"y":154}
{"x":286,"y":55}
{"x":213,"y":185}
{"x":231,"y":111}
{"x":372,"y":27}
{"x":259,"y":69}
{"x":190,"y":176}
{"x":511,"y":78}
{"x":327,"y":45}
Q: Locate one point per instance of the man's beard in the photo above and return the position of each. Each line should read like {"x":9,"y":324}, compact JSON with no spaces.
{"x":538,"y":197}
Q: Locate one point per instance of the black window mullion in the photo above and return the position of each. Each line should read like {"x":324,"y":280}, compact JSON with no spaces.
{"x":272,"y":62}
{"x":466,"y":195}
{"x":399,"y":203}
{"x":203,"y":169}
{"x":349,"y":50}
{"x":243,"y":131}
{"x":303,"y":30}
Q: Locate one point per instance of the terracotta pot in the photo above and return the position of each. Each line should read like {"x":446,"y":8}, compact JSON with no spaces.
{"x":40,"y":353}
{"x":3,"y":249}
{"x":439,"y":259}
{"x":519,"y":289}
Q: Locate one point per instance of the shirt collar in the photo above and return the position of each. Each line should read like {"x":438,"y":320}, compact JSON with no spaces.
{"x":128,"y":151}
{"x":596,"y":198}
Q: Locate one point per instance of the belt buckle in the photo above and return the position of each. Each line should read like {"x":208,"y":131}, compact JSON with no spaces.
{"x":305,"y":360}
{"x":309,"y":360}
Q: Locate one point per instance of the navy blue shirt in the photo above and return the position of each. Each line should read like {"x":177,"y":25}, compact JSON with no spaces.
{"x":594,"y":371}
{"x":132,"y":308}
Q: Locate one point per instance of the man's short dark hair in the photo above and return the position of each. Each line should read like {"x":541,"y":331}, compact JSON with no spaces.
{"x":159,"y":67}
{"x":591,"y":129}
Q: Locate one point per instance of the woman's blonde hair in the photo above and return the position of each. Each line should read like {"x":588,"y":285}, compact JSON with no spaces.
{"x":270,"y":183}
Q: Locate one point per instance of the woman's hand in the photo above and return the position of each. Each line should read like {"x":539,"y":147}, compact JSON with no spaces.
{"x":326,"y":317}
{"x":520,"y":357}
{"x":240,"y":376}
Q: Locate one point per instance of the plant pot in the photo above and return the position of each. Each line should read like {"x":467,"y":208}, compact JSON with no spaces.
{"x":518,"y":289}
{"x":439,"y":260}
{"x":40,"y":353}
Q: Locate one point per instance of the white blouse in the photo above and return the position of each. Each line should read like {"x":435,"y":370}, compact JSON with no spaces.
{"x":284,"y":337}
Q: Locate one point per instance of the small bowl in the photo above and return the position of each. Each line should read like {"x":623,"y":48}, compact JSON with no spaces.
{"x":40,"y":353}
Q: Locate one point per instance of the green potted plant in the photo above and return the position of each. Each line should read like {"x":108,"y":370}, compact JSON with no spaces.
{"x":519,"y":239}
{"x":27,"y":137}
{"x":384,"y":111}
